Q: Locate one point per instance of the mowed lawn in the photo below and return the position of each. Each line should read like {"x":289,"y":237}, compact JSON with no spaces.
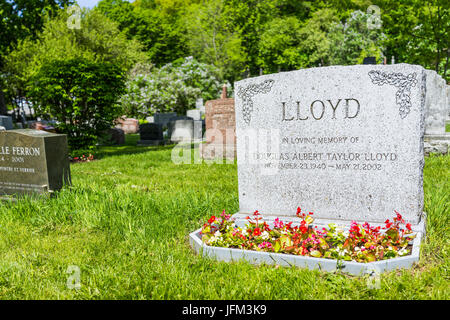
{"x":125,"y":223}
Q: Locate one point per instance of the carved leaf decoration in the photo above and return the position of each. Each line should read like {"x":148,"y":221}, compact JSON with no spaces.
{"x":246,"y":94}
{"x":400,"y":81}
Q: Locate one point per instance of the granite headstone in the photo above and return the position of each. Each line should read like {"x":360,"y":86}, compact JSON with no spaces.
{"x":181,"y":130}
{"x":163,"y":118}
{"x":151,"y":134}
{"x":6,"y":122}
{"x":116,"y":136}
{"x":220,"y":128}
{"x":33,"y":161}
{"x":194,"y":114}
{"x":345,"y":142}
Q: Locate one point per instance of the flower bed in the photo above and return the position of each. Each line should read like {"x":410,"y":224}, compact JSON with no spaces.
{"x":360,"y":243}
{"x":82,"y":158}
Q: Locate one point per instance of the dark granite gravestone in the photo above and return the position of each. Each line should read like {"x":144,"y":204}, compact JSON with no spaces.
{"x":6,"y":122}
{"x":151,"y":134}
{"x":33,"y":161}
{"x":117,"y":136}
{"x":163,"y":118}
{"x":175,"y":118}
{"x":370,"y":60}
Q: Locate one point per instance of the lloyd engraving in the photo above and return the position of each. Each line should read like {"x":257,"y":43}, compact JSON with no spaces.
{"x":317,"y":110}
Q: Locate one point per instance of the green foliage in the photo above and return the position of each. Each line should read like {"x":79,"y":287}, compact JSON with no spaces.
{"x":418,"y":32}
{"x":280,"y":46}
{"x":173,"y":87}
{"x":240,"y":37}
{"x":353,"y":40}
{"x":81,"y":95}
{"x":98,"y":40}
{"x":316,"y":44}
{"x":20,"y":19}
{"x":125,"y":220}
{"x":24,"y":18}
{"x":214,"y":40}
{"x":157,"y":25}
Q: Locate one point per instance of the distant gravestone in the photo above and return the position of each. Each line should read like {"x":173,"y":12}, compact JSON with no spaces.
{"x":448,"y":102}
{"x":198,"y":130}
{"x":344,"y":142}
{"x":128,"y":125}
{"x":185,"y":130}
{"x":33,"y":161}
{"x":151,"y":134}
{"x":6,"y":122}
{"x":164,"y":118}
{"x":437,"y":140}
{"x":220,"y":126}
{"x":194,"y":114}
{"x":435,"y":104}
{"x":370,"y":60}
{"x":180,"y":118}
{"x":199,"y":105}
{"x":117,"y":136}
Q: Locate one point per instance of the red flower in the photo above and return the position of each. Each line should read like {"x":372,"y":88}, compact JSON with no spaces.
{"x":212,"y":219}
{"x":257,"y":232}
{"x":256,"y":213}
{"x":299,"y":210}
{"x":408,"y":226}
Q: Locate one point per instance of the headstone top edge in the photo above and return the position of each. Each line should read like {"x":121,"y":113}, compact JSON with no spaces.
{"x":33,"y":133}
{"x":376,"y":67}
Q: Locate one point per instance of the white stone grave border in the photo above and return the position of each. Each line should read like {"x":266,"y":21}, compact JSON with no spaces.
{"x":322,"y":264}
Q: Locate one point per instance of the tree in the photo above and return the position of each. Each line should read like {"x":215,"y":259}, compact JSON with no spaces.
{"x":354,"y":40}
{"x":214,"y":40}
{"x":20,"y":19}
{"x":156,"y":24}
{"x":288,"y":44}
{"x":98,"y":40}
{"x":279,"y":46}
{"x":81,"y":95}
{"x":417,"y":32}
{"x":173,"y":87}
{"x":315,"y":41}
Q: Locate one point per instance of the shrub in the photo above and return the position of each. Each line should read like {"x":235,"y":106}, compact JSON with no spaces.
{"x":81,"y":96}
{"x":171,"y":88}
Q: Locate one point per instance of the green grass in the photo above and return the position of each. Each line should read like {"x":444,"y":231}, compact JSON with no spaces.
{"x":125,"y":224}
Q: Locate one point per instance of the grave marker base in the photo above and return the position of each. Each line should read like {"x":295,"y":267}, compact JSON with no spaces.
{"x":322,"y":264}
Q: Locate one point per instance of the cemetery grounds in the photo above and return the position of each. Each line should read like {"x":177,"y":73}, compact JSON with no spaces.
{"x":121,"y":232}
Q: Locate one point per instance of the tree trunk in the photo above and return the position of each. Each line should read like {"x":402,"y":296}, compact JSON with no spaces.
{"x":446,"y":63}
{"x":3,"y":109}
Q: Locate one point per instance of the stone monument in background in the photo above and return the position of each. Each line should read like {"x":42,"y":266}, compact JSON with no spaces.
{"x":220,"y":128}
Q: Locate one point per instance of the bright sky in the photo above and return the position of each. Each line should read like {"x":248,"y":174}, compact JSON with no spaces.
{"x":88,"y":3}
